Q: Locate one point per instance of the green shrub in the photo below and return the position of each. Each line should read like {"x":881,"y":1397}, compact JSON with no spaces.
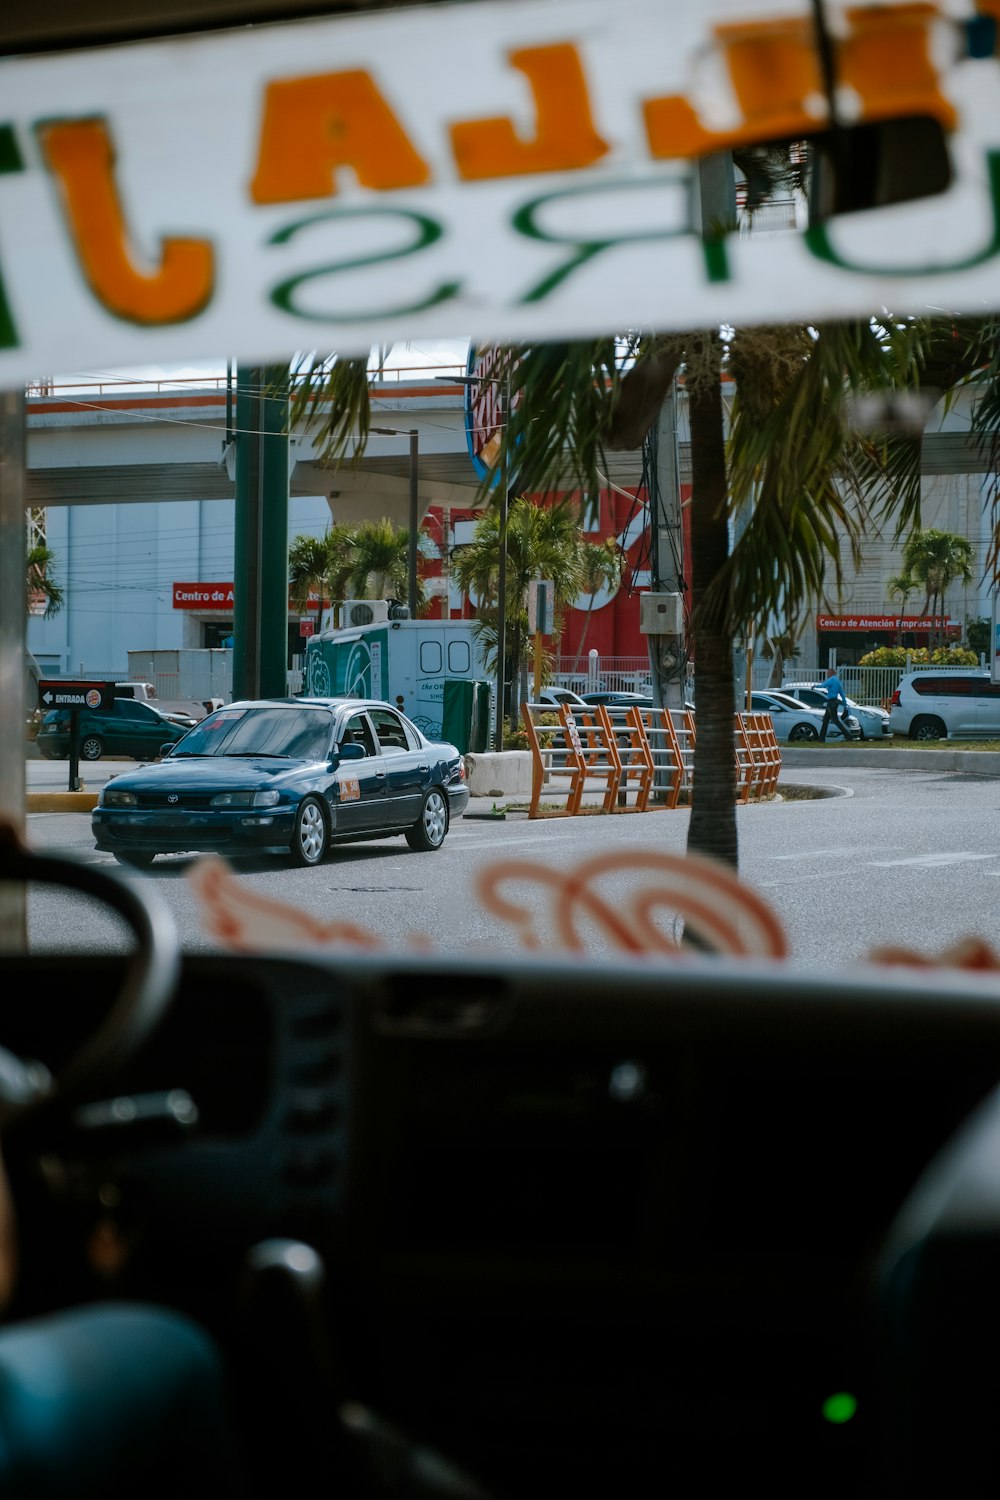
{"x":943,"y":656}
{"x":954,"y":656}
{"x":517,"y":739}
{"x":894,"y":656}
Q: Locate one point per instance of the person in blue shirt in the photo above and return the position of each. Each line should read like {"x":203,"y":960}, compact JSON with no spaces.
{"x":835,"y":696}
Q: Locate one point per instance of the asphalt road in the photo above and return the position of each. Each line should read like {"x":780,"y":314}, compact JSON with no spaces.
{"x":902,"y":857}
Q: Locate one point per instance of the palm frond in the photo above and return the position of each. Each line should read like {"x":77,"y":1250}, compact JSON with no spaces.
{"x":331,"y":400}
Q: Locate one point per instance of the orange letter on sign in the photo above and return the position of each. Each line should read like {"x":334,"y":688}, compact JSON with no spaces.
{"x":314,"y":125}
{"x":80,"y":156}
{"x":565,"y":138}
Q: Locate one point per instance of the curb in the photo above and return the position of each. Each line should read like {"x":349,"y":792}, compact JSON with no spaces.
{"x":976,"y":762}
{"x":61,"y":801}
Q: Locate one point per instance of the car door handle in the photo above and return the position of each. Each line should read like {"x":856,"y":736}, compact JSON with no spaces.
{"x":423,"y":768}
{"x":379,"y":775}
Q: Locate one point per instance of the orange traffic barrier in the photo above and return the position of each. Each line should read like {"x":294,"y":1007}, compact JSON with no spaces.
{"x":628,"y":737}
{"x":645,"y":752}
{"x":683,"y":721}
{"x":551,"y":757}
{"x":599,"y":757}
{"x":758,"y":757}
{"x":665,"y":756}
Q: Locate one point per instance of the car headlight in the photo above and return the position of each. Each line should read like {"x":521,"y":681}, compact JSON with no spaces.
{"x":118,"y":797}
{"x":246,"y":799}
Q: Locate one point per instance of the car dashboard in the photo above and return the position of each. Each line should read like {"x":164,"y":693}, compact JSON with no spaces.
{"x":586,"y":1229}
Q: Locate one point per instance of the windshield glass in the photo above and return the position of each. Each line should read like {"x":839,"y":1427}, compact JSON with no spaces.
{"x":302,"y":734}
{"x":840,"y":325}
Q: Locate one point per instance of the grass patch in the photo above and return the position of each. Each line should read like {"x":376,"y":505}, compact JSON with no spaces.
{"x":897,"y":744}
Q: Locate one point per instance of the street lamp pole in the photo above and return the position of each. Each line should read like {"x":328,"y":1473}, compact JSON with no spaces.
{"x":411,"y":554}
{"x":472,"y":380}
{"x":502,"y":581}
{"x":411,"y":569}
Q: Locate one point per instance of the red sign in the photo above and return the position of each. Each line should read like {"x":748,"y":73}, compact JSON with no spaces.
{"x":218,"y":596}
{"x":307,"y":627}
{"x":203,"y":596}
{"x":886,"y":622}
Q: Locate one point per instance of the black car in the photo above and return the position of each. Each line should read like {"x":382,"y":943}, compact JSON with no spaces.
{"x":289,"y":775}
{"x":137,"y":730}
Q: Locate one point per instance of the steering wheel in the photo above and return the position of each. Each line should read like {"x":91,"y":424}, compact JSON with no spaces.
{"x":148,"y":986}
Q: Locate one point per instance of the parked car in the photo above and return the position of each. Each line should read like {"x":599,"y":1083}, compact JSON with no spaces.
{"x":873,"y":722}
{"x":933,"y":705}
{"x":127,"y":728}
{"x":612,"y":699}
{"x":793,"y":722}
{"x":559,"y":695}
{"x":286,"y":775}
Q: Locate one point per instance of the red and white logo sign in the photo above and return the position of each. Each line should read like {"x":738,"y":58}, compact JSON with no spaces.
{"x":93,"y":698}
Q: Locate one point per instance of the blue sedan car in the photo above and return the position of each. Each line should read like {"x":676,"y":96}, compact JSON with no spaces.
{"x":288,"y":775}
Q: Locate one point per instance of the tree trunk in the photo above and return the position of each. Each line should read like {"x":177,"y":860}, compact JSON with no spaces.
{"x":712,"y":829}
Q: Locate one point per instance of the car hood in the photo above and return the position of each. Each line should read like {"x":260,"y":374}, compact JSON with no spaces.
{"x":216,"y":773}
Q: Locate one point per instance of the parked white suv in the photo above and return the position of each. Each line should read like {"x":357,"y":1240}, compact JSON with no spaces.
{"x":933,"y":705}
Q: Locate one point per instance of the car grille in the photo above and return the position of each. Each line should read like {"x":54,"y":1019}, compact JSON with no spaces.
{"x":166,"y":838}
{"x":185,"y":800}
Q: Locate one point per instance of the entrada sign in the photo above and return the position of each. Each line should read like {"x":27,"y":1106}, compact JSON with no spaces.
{"x":60,"y":692}
{"x":499,"y":171}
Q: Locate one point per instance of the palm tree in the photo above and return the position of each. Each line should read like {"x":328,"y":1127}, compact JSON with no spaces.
{"x":39,"y":583}
{"x":935,"y":559}
{"x":381,"y":562}
{"x":900,"y":586}
{"x":320,"y":565}
{"x":600,"y":566}
{"x":542,"y":542}
{"x":790,"y":476}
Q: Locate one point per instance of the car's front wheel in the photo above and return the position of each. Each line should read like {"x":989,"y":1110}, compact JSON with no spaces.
{"x":92,"y":747}
{"x":136,"y":859}
{"x":928,"y":728}
{"x":800,"y":732}
{"x":310,"y":839}
{"x":430,"y":828}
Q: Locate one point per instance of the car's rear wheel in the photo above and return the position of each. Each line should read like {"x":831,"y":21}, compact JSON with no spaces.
{"x":136,"y":859}
{"x":928,"y":728}
{"x":800,"y":732}
{"x":92,"y":747}
{"x":430,"y":828}
{"x":310,"y":839}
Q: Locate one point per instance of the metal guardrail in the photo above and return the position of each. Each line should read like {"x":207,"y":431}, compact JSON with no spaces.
{"x":640,"y":759}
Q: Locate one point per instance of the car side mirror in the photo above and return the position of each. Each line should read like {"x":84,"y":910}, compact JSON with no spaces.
{"x":351,"y":750}
{"x":166,"y":749}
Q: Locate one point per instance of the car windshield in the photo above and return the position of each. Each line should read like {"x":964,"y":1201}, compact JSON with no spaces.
{"x":302,"y":734}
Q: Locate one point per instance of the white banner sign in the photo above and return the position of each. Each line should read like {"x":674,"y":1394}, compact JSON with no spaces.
{"x":499,"y":172}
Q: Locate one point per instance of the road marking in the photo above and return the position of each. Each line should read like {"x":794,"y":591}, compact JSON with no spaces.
{"x":818,"y":853}
{"x":528,"y":838}
{"x":956,"y":857}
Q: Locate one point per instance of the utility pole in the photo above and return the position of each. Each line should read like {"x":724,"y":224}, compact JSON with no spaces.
{"x":502,"y":579}
{"x":411,"y":570}
{"x":667,"y":657}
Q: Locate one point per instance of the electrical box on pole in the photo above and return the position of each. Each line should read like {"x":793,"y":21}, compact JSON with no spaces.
{"x":661,"y":614}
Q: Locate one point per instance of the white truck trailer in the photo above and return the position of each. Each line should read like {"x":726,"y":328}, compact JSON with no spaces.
{"x":431,"y":669}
